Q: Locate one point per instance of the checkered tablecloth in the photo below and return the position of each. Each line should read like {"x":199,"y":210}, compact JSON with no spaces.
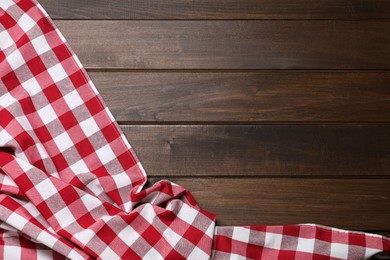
{"x":72,"y":187}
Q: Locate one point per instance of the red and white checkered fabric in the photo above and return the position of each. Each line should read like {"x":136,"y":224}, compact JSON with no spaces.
{"x":71,"y":186}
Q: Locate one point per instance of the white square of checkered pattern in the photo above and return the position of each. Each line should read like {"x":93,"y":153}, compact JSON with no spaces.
{"x":128,"y":235}
{"x":5,"y":4}
{"x":57,"y":73}
{"x":26,"y":23}
{"x":12,"y":252}
{"x":7,"y":99}
{"x":40,"y":45}
{"x":273,"y":241}
{"x":306,"y":245}
{"x":241,"y":234}
{"x":47,"y":114}
{"x":63,"y":142}
{"x":46,"y":188}
{"x":73,"y":99}
{"x":31,"y":86}
{"x":338,"y":250}
{"x":108,"y":253}
{"x":6,"y":39}
{"x":197,"y":253}
{"x":17,"y":221}
{"x":79,"y":167}
{"x":25,"y":124}
{"x":15,"y":59}
{"x":5,"y":137}
{"x":47,"y":239}
{"x":106,"y":154}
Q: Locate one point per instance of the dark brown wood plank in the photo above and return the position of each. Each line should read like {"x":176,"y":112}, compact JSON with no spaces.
{"x":245,"y":96}
{"x":230,"y":44}
{"x":218,"y":9}
{"x":352,"y":204}
{"x":263,"y":150}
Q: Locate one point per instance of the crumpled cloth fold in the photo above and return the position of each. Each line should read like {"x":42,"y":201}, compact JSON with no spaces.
{"x":72,"y":187}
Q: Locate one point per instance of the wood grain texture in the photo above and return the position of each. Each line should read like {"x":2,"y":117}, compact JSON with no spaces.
{"x":263,"y":150}
{"x":218,"y":9}
{"x":230,"y":44}
{"x":352,"y":204}
{"x":245,"y":97}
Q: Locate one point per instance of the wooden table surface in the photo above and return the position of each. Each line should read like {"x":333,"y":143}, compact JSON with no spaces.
{"x":268,"y":111}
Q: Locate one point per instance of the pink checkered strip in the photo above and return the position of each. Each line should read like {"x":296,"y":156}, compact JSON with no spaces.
{"x":72,"y":187}
{"x":305,"y":241}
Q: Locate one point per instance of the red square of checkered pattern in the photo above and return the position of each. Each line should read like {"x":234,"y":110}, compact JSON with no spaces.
{"x":36,"y":66}
{"x":11,"y":79}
